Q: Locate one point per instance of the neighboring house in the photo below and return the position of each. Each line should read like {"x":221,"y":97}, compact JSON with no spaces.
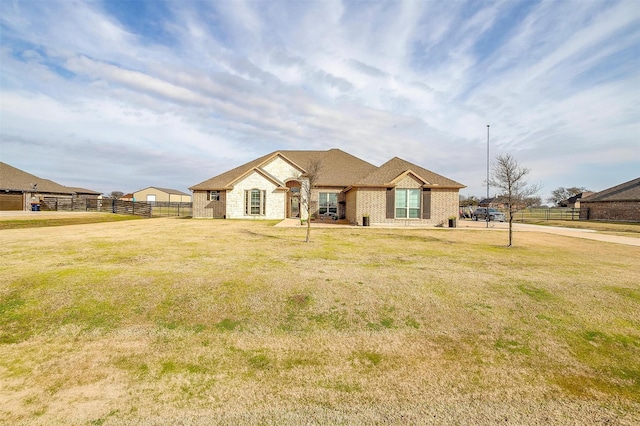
{"x":574,"y":202}
{"x":19,"y":189}
{"x":619,"y":203}
{"x":495,"y":202}
{"x":126,"y":197}
{"x":155,"y":195}
{"x":270,"y":187}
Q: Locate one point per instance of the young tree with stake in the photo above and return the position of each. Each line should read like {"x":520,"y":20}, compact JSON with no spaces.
{"x":307,"y":181}
{"x":510,"y":179}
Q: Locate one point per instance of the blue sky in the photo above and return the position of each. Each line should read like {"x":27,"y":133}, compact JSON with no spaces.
{"x":122,"y":95}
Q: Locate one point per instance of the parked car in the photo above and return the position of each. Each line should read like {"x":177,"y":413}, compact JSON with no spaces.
{"x":494,"y":215}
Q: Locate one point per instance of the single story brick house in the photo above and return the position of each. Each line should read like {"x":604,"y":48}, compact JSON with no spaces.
{"x":20,"y":190}
{"x":618,"y":203}
{"x":270,"y":187}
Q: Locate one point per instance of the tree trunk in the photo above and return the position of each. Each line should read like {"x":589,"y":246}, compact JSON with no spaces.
{"x":510,"y":229}
{"x":308,"y":227}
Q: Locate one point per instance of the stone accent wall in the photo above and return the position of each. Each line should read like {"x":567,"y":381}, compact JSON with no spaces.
{"x":623,"y":211}
{"x":280,"y":169}
{"x":275,"y":199}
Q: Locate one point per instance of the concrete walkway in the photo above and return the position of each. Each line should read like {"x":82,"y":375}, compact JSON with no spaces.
{"x":588,"y":234}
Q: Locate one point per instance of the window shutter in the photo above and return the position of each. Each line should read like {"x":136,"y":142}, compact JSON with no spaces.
{"x":426,"y":203}
{"x":264,"y":202}
{"x":391,"y":203}
{"x":208,"y":195}
{"x":247,"y":202}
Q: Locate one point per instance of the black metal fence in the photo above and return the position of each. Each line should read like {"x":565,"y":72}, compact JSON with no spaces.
{"x":160,"y":208}
{"x":547,"y":214}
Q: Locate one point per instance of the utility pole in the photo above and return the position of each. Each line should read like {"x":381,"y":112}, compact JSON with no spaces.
{"x":488,"y":204}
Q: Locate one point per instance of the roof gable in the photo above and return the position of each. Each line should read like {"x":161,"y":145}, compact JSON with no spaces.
{"x":407,"y":173}
{"x":395,"y":169}
{"x":279,"y":184}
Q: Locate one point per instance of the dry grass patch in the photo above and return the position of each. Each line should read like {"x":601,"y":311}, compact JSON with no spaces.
{"x":198,"y":321}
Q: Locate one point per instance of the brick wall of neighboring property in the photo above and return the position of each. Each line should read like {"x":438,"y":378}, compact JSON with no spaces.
{"x":624,"y":211}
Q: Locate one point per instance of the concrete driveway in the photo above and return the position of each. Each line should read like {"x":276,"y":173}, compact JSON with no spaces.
{"x":588,"y":234}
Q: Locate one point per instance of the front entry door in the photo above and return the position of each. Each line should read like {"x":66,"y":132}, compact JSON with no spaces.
{"x":294,"y":199}
{"x":295,"y":206}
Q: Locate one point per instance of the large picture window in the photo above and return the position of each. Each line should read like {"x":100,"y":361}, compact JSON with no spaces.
{"x":254,"y":202}
{"x":328,"y":203}
{"x":407,"y":203}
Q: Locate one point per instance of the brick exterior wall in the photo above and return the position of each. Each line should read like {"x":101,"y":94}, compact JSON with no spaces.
{"x":372,"y":201}
{"x":623,"y":211}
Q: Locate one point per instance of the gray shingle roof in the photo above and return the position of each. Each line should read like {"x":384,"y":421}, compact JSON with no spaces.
{"x":338,"y":168}
{"x":14,"y":179}
{"x":392,"y":169}
{"x":628,"y":191}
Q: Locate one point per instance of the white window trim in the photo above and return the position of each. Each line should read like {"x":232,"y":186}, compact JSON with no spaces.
{"x":407,"y":208}
{"x":262,"y":207}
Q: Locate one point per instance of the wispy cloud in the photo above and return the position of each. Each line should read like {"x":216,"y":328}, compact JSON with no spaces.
{"x":200,"y":87}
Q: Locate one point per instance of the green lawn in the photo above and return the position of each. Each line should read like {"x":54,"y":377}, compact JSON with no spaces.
{"x":167,"y":321}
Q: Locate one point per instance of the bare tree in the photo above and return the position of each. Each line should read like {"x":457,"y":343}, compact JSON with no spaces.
{"x":308,"y":181}
{"x":510,"y":179}
{"x":560,"y":195}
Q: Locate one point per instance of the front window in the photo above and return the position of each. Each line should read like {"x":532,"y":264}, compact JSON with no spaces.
{"x":328,"y":203}
{"x":407,"y":203}
{"x":214,"y":195}
{"x":255,"y":202}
